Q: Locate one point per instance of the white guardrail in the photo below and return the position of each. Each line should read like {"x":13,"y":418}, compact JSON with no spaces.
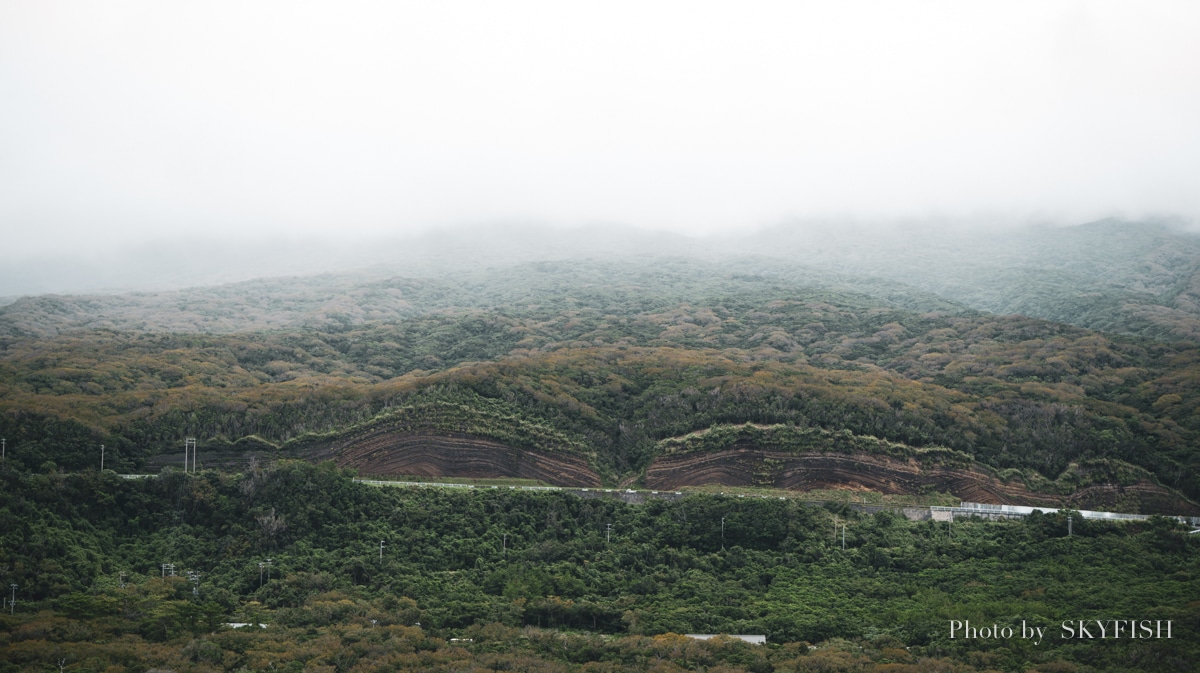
{"x":964,"y":508}
{"x":979,"y":508}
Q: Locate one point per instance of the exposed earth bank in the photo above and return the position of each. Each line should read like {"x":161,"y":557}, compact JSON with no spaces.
{"x":750,"y":466}
{"x":452,"y":455}
{"x":386,"y":452}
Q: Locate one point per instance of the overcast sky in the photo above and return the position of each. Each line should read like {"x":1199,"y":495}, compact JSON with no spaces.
{"x":124,"y":121}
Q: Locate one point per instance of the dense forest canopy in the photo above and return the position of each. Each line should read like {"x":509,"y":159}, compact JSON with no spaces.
{"x":589,"y":580}
{"x":1048,"y":364}
{"x":613,"y":355}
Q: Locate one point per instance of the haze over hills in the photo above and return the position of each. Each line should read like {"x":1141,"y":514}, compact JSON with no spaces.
{"x":614,"y":345}
{"x":1111,"y":275}
{"x":759,"y":288}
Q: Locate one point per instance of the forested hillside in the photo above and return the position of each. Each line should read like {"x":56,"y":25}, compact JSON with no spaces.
{"x":613,"y":358}
{"x":1130,"y":277}
{"x":1053,"y":370}
{"x":1116,"y":276}
{"x":551,"y":581}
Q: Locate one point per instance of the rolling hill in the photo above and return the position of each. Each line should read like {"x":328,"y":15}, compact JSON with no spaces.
{"x":609,"y":360}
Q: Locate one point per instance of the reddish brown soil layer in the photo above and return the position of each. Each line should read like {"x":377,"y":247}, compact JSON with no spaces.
{"x":386,"y":453}
{"x":747,"y":466}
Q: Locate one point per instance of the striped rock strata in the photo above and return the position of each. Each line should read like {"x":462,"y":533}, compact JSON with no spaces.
{"x":742,"y":466}
{"x":428,"y":454}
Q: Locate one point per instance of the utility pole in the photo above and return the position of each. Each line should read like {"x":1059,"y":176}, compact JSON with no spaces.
{"x":12,"y":604}
{"x":504,"y":545}
{"x":101,"y":457}
{"x":3,"y":447}
{"x":843,"y":537}
{"x":194,"y":578}
{"x":722,"y":532}
{"x":268,"y":569}
{"x":261,"y":565}
{"x":1070,"y":520}
{"x":607,"y":532}
{"x":122,"y":580}
{"x":381,"y":550}
{"x":189,"y":443}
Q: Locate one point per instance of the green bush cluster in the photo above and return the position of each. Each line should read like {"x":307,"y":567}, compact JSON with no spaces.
{"x":458,"y":560}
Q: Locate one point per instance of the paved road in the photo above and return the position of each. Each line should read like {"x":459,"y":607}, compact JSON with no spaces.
{"x":637,"y":495}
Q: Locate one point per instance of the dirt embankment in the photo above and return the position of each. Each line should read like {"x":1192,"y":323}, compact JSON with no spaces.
{"x":749,"y":466}
{"x":429,"y":454}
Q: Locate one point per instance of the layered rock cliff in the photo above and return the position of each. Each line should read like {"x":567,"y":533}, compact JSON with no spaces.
{"x":746,"y":465}
{"x":385,"y":452}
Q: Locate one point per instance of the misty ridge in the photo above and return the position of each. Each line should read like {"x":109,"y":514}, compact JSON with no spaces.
{"x":1138,"y":278}
{"x":530,"y":336}
{"x":1038,"y":349}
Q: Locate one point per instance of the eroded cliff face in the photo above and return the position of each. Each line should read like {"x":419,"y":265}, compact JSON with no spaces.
{"x":430,"y":454}
{"x":749,"y":466}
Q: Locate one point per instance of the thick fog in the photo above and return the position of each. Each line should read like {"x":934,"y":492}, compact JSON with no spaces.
{"x":147,"y":144}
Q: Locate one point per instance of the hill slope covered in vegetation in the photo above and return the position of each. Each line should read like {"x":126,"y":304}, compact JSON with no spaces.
{"x":611,"y":358}
{"x":555,"y":582}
